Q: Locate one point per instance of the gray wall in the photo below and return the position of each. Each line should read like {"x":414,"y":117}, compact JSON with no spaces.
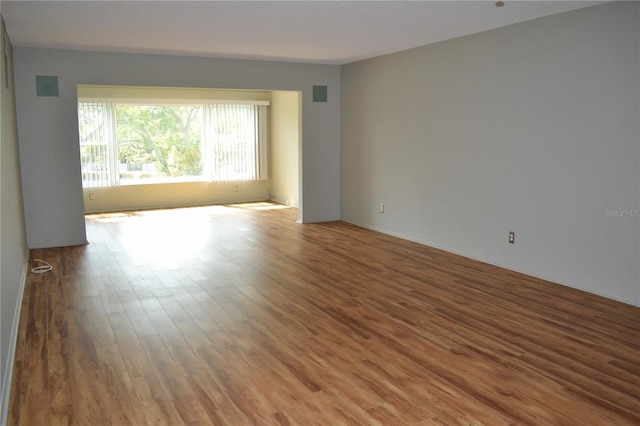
{"x":48,"y":126}
{"x":13,"y":252}
{"x":532,"y":128}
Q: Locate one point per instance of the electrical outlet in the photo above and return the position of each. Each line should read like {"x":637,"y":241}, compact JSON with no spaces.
{"x":512,"y":237}
{"x":91,"y":196}
{"x":381,"y":208}
{"x":235,"y":188}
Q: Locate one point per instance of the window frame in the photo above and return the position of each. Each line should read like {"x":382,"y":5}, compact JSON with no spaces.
{"x":207,"y":175}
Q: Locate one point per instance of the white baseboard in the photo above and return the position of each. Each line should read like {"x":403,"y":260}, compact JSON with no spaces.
{"x":6,"y":385}
{"x":499,"y":265}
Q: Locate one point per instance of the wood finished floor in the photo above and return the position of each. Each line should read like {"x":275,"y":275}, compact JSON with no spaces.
{"x":232,"y":315}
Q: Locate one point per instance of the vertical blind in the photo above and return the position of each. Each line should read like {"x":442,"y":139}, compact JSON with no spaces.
{"x":96,"y":127}
{"x":233,"y":135}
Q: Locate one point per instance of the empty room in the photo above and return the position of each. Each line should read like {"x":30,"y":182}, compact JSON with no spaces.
{"x":320,"y":212}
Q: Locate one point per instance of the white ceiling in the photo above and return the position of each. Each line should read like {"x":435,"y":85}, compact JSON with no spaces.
{"x":329,"y":32}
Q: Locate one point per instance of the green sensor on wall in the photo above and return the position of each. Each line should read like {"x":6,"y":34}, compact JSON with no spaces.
{"x":47,"y":85}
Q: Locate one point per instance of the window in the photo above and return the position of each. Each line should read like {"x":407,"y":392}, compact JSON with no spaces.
{"x":124,"y":143}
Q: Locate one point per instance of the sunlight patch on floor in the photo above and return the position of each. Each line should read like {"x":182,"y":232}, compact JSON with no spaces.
{"x":119,"y":216}
{"x":263,"y":205}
